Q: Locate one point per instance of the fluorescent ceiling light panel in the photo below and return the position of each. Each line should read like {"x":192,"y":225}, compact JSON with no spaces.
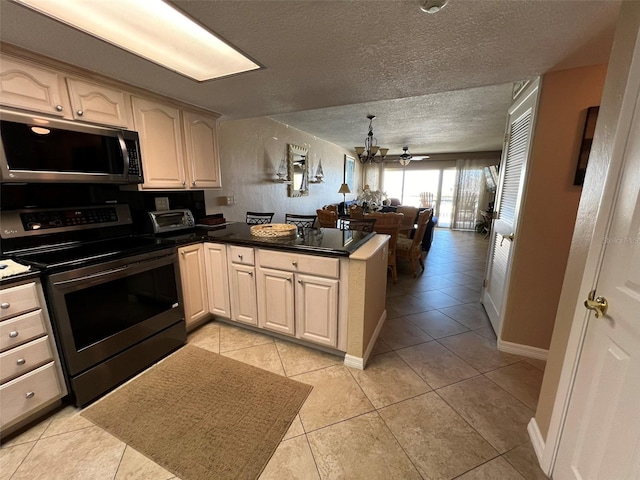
{"x":151,"y":29}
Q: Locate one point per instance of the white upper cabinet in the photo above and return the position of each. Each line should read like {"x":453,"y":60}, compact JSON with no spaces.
{"x":161,"y":144}
{"x":201,"y":148}
{"x":91,"y":102}
{"x":30,"y":87}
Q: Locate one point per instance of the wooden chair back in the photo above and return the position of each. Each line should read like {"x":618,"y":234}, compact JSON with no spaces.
{"x":410,"y":214}
{"x":327,"y":218}
{"x":389,"y":224}
{"x":356,"y":211}
{"x":411,"y":249}
{"x":331,"y":207}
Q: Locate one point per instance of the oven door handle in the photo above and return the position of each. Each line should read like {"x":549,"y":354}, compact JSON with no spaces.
{"x":92,"y":276}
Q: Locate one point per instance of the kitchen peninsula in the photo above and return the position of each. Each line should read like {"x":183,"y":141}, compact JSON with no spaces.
{"x":324,"y":287}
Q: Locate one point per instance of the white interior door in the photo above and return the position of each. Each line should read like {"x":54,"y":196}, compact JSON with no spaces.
{"x":512,"y":175}
{"x":601,"y":435}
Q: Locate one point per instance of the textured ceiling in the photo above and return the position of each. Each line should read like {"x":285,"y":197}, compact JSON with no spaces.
{"x":322,"y":54}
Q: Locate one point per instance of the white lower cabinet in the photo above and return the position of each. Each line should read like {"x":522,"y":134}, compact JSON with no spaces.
{"x":242,"y":284}
{"x":276,"y":308}
{"x":217,"y":279}
{"x":294,"y":302}
{"x":317,"y":309}
{"x":31,"y":380}
{"x":194,"y":282}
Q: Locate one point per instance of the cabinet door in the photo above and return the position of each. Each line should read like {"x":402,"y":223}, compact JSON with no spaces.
{"x":194,"y":281}
{"x":26,"y":86}
{"x":243,"y":293}
{"x":275,"y":300}
{"x":161,"y":143}
{"x":201,"y":147}
{"x":317,"y":309}
{"x":217,"y":279}
{"x":95,"y":103}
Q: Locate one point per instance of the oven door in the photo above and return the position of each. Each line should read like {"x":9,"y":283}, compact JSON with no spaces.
{"x":101,"y":310}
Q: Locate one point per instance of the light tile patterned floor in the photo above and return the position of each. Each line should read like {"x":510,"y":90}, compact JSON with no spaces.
{"x":436,"y":401}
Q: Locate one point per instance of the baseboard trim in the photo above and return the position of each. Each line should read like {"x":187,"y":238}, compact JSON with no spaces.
{"x":361,"y":362}
{"x":523,"y":350}
{"x":536,"y":439}
{"x":354,"y":362}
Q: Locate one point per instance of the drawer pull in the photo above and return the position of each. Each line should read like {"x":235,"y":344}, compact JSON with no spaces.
{"x":294,"y":263}
{"x":30,"y":395}
{"x":59,"y":108}
{"x":5,"y":305}
{"x":300,"y":282}
{"x":21,"y":361}
{"x":288,"y":279}
{"x":240,"y":257}
{"x":13,"y":334}
{"x":80,"y":113}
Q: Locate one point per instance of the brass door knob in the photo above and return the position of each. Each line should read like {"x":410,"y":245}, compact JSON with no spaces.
{"x":597,"y":304}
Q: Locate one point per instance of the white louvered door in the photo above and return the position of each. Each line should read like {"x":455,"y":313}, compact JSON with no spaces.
{"x":512,"y":175}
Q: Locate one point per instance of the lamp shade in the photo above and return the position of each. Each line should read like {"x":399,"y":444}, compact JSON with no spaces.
{"x":344,"y":188}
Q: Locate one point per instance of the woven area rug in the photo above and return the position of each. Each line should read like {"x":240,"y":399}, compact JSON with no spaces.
{"x":203,"y":416}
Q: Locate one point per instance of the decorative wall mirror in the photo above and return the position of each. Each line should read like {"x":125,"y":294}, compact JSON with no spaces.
{"x":297,"y":159}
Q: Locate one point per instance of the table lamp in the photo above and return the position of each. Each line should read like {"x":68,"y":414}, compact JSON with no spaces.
{"x":344,"y":189}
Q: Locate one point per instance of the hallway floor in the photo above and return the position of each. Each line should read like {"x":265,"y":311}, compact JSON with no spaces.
{"x":437,"y":400}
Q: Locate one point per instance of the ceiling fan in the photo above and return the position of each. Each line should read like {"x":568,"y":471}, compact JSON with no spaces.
{"x":406,"y":157}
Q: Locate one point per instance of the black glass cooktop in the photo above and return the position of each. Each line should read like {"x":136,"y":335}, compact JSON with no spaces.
{"x":73,"y":255}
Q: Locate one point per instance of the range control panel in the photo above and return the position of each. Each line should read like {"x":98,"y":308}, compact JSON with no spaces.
{"x":67,"y":218}
{"x":19,"y":223}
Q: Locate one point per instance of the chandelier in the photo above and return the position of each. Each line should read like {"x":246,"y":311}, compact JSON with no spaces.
{"x":367,"y":154}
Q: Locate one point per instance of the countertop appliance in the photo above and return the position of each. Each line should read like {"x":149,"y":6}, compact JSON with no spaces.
{"x":42,"y":149}
{"x":164,"y":221}
{"x":114,"y":299}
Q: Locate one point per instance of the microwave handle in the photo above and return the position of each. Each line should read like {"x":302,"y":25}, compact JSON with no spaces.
{"x":125,"y":153}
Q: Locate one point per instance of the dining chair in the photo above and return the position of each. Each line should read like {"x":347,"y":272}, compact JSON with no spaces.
{"x":356,"y":211}
{"x":259,"y":218}
{"x":389,"y":224}
{"x":411,"y":248}
{"x":331,"y":207}
{"x":409,"y":220}
{"x":362,"y":224}
{"x":327,"y":218}
{"x":300,"y":221}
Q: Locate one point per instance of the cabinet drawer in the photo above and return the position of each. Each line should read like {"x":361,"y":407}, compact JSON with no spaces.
{"x":26,"y":357}
{"x":242,"y":255}
{"x":18,"y":299}
{"x":322,"y":266}
{"x":21,"y":329}
{"x":27,"y":393}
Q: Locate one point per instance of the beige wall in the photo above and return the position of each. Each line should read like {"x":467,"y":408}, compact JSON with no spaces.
{"x":250,"y":152}
{"x":571,"y":298}
{"x":549,"y":205}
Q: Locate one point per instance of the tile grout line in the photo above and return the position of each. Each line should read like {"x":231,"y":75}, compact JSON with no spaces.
{"x":24,"y":458}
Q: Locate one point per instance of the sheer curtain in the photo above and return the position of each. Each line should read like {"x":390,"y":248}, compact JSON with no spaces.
{"x":469,"y":187}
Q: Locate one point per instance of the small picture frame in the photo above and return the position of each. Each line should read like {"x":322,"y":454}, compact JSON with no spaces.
{"x":585,"y":144}
{"x":349,"y":172}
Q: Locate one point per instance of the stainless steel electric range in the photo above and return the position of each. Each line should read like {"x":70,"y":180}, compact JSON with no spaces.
{"x":114,"y":298}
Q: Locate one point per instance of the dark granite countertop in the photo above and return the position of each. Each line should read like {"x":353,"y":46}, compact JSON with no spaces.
{"x":316,"y":241}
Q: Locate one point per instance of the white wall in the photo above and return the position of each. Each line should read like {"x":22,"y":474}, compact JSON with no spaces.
{"x":250,"y":152}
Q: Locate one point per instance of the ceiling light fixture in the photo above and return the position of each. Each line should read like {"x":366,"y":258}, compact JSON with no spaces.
{"x":432,"y":6}
{"x":151,"y":29}
{"x":367,"y":154}
{"x":405,"y":158}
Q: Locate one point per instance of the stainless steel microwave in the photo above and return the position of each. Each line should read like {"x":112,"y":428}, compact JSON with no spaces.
{"x":41,"y":149}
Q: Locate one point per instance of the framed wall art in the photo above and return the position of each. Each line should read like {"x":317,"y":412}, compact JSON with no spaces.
{"x":585,"y":145}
